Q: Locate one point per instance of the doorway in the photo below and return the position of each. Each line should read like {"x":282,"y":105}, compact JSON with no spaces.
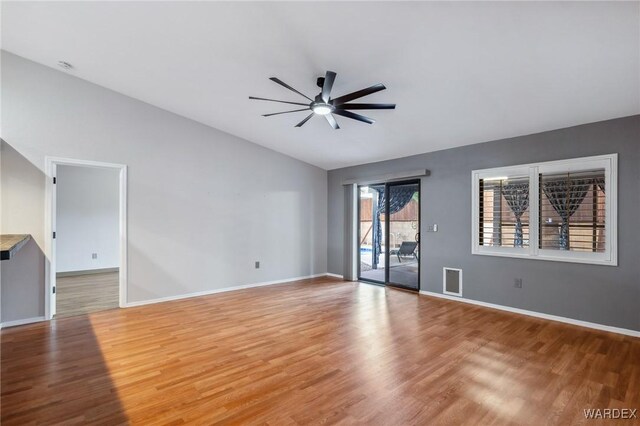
{"x":87,"y":246}
{"x":389,"y":234}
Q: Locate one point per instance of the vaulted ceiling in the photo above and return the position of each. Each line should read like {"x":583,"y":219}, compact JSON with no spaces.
{"x":460,"y":73}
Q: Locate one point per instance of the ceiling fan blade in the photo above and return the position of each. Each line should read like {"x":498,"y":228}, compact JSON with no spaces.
{"x":285,"y":112}
{"x":275,"y":100}
{"x":359,"y":94}
{"x":350,"y":114}
{"x":329,"y":78}
{"x":366,"y":106}
{"x":331,"y":119}
{"x":305,"y":120}
{"x":282,"y":83}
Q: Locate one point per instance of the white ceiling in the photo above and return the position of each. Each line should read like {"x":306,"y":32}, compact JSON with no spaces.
{"x":460,"y":73}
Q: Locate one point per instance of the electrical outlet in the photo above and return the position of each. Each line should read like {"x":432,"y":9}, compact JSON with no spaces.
{"x":435,"y":227}
{"x":517,"y":282}
{"x":257,"y":264}
{"x":94,"y":255}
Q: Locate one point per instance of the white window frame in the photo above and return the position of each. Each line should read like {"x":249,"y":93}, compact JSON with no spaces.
{"x":607,"y":162}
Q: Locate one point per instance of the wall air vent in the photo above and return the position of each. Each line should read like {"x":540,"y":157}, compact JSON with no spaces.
{"x":452,"y":281}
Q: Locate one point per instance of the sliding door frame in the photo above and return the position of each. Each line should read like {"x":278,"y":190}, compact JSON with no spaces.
{"x":387,"y":223}
{"x":360,"y":278}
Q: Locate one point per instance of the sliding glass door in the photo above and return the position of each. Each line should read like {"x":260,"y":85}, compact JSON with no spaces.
{"x":403,"y":234}
{"x":371,"y":226}
{"x":389,"y":250}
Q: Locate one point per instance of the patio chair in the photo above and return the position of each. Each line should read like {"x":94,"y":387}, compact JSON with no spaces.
{"x":407,"y":248}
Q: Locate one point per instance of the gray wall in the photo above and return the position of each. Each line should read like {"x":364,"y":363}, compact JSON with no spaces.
{"x":22,"y":277}
{"x":601,"y":294}
{"x":203,"y":205}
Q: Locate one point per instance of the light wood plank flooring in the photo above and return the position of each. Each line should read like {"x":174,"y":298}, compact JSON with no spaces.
{"x":319,"y":351}
{"x":82,"y":294}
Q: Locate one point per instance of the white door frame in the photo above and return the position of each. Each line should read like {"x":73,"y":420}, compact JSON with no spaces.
{"x":50,"y":226}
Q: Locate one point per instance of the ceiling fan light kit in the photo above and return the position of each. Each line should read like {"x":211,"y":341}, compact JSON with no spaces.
{"x":321,"y":108}
{"x":326,"y":106}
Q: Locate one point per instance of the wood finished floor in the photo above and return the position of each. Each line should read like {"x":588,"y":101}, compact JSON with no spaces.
{"x":83,"y":294}
{"x":319,"y":351}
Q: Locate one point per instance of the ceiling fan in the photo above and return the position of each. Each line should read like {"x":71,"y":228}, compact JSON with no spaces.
{"x":326,"y":106}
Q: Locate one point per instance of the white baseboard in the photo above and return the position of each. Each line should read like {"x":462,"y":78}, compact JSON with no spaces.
{"x":25,"y":321}
{"x":86,"y":272}
{"x":565,"y":320}
{"x":220,"y":290}
{"x":329,"y":274}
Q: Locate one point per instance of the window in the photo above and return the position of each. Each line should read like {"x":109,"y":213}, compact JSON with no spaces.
{"x":560,"y":210}
{"x":572,"y":211}
{"x":504,"y":212}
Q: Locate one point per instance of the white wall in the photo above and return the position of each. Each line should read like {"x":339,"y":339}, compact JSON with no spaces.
{"x":203,"y":205}
{"x":87,"y":216}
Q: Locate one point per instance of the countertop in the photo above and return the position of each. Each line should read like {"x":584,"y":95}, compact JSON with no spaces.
{"x":11,"y":243}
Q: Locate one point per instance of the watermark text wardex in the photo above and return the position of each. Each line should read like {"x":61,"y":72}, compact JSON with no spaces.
{"x":611,"y":413}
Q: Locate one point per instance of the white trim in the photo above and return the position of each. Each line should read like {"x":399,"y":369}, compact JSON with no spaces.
{"x":49,"y":212}
{"x":580,"y":323}
{"x":50,"y":198}
{"x":86,"y":272}
{"x":444,"y":281}
{"x":329,"y":274}
{"x":222,"y":290}
{"x":21,"y":322}
{"x":122,"y":277}
{"x":608,"y":162}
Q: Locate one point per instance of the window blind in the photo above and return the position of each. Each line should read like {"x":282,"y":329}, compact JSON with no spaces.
{"x":572,"y":211}
{"x":504,"y":212}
